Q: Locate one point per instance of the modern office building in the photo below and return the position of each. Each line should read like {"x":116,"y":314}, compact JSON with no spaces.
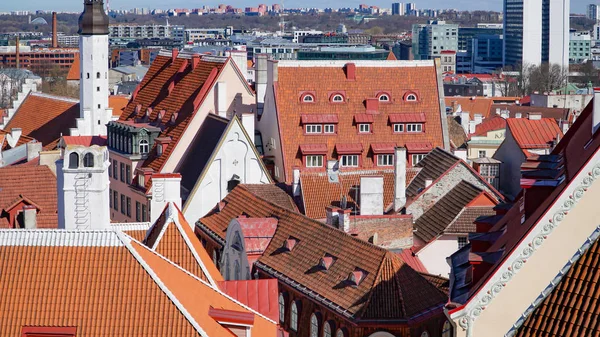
{"x":480,"y":47}
{"x":593,"y":12}
{"x":536,"y":31}
{"x":398,"y":8}
{"x":410,"y":8}
{"x":430,"y":39}
{"x":580,"y":47}
{"x":146,"y":31}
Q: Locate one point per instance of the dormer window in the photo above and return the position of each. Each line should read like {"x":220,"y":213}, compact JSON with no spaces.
{"x":308,"y":98}
{"x":290,"y":243}
{"x":327,"y":261}
{"x":411,"y":97}
{"x":144,"y":146}
{"x":384,"y":98}
{"x":159,"y":150}
{"x":337,"y":98}
{"x":356,"y":277}
{"x":141,"y":180}
{"x":364,"y":128}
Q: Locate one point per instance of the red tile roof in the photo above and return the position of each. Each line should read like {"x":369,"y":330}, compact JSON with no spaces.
{"x":318,"y":192}
{"x":190,"y":89}
{"x":472,"y":105}
{"x":23,"y":139}
{"x":84,"y":140}
{"x":534,"y":134}
{"x":490,"y":124}
{"x":419,"y":147}
{"x":74,"y":73}
{"x":117,"y":103}
{"x":30,"y":184}
{"x":370,"y":81}
{"x":390,"y":290}
{"x":261,"y":295}
{"x":408,"y":256}
{"x":320,"y":119}
{"x":348,"y":148}
{"x":313,"y":148}
{"x":383,"y":148}
{"x":408,"y":118}
{"x":258,"y":232}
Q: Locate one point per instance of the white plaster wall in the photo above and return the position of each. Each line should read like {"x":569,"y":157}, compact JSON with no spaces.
{"x":126,"y":189}
{"x":559,"y":32}
{"x":511,"y":157}
{"x":234,"y":157}
{"x":433,"y":256}
{"x":532,"y":32}
{"x":94,"y":59}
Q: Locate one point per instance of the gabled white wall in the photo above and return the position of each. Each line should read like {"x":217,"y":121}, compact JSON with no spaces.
{"x":433,"y":256}
{"x":234,"y":156}
{"x":511,"y":156}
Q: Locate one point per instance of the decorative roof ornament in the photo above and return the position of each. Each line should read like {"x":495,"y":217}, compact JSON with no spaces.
{"x":93,"y":20}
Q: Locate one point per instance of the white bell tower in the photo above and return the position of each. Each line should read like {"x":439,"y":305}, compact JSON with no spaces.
{"x":94,"y":111}
{"x":83,"y":185}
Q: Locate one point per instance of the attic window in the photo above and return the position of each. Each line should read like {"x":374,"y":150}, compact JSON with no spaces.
{"x":411,"y":97}
{"x":356,"y":277}
{"x":308,"y":98}
{"x":384,"y":98}
{"x":337,"y":98}
{"x":290,"y":243}
{"x":327,"y":261}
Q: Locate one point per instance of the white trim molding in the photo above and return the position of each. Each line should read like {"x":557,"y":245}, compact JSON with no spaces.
{"x":528,"y":246}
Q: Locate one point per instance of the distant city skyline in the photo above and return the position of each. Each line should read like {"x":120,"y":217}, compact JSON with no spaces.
{"x":577,"y":6}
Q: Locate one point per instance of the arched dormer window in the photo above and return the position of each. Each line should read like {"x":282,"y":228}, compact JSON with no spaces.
{"x":411,"y":97}
{"x":73,"y":160}
{"x":308,"y":98}
{"x":314,"y":325}
{"x":384,"y":98}
{"x":144,"y":146}
{"x":337,"y":98}
{"x":88,"y":160}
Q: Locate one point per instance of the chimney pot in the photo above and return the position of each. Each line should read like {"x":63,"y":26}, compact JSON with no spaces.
{"x":174,"y":53}
{"x":54,"y":31}
{"x":344,"y":219}
{"x":332,"y":216}
{"x":351,"y":71}
{"x":195,"y":61}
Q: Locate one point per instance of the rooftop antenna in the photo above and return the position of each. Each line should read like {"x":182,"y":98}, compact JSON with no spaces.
{"x":282,"y":21}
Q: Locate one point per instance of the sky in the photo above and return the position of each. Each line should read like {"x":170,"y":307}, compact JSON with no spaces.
{"x":577,"y":6}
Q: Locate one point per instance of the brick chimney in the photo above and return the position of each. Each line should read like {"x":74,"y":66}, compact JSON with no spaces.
{"x":54,"y":32}
{"x":351,"y":71}
{"x":17,"y":56}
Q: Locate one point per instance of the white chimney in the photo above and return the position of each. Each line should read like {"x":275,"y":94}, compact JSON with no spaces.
{"x":399,"y":178}
{"x":332,"y":216}
{"x":478,"y":118}
{"x":596,"y":111}
{"x":165,"y":188}
{"x":29,"y":216}
{"x":344,"y":219}
{"x":371,"y":195}
{"x":33,"y":150}
{"x":498,"y":111}
{"x":248,"y":123}
{"x":222,"y":99}
{"x":261,"y":79}
{"x":296,"y":184}
{"x":464,"y":121}
{"x":461,"y":154}
{"x":472,"y":127}
{"x":518,"y":115}
{"x":13,"y":137}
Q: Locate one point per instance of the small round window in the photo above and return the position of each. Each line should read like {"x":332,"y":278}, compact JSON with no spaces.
{"x":411,"y":98}
{"x":308,"y":98}
{"x":384,"y":98}
{"x":337,"y":98}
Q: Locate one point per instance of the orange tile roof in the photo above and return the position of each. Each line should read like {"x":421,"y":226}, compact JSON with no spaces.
{"x":105,"y":285}
{"x":318,"y":193}
{"x":490,"y":124}
{"x":262,"y":295}
{"x":31,"y":184}
{"x":390,"y":290}
{"x":172,"y":237}
{"x":74,"y":73}
{"x":323,"y":81}
{"x":153,"y":92}
{"x":534,"y":134}
{"x":23,"y":139}
{"x":118,"y":103}
{"x":83,"y":140}
{"x":477,"y":105}
{"x":45,"y":117}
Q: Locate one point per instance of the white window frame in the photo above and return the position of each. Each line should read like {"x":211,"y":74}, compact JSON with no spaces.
{"x":337,"y":98}
{"x":144,"y":146}
{"x":308,"y":98}
{"x":349,"y":160}
{"x":311,"y":160}
{"x":364,"y":128}
{"x":384,"y":98}
{"x":411,"y":98}
{"x":479,"y":152}
{"x":398,"y":127}
{"x":417,"y":157}
{"x":385,"y":160}
{"x":281,"y":308}
{"x":314,"y":128}
{"x":414,"y":128}
{"x":329,"y":128}
{"x":294,"y":317}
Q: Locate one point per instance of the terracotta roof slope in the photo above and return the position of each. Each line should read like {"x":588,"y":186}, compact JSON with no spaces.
{"x":172,"y":237}
{"x":534,"y":134}
{"x":433,"y":222}
{"x":433,"y":166}
{"x":472,"y":105}
{"x":22,"y":140}
{"x":464,"y":222}
{"x":172,"y":86}
{"x":45,"y":117}
{"x":274,"y":194}
{"x":489,"y":124}
{"x":262,"y":295}
{"x":30,"y":184}
{"x":74,"y":71}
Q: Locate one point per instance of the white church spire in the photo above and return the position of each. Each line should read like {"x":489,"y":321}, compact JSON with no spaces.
{"x":94,"y":111}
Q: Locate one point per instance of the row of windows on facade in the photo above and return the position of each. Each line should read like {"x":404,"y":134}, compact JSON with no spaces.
{"x":125,"y":172}
{"x":363,"y":128}
{"x":141,"y":210}
{"x":353,"y":160}
{"x":98,"y":75}
{"x":329,"y":326}
{"x":339,"y":98}
{"x":124,"y":144}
